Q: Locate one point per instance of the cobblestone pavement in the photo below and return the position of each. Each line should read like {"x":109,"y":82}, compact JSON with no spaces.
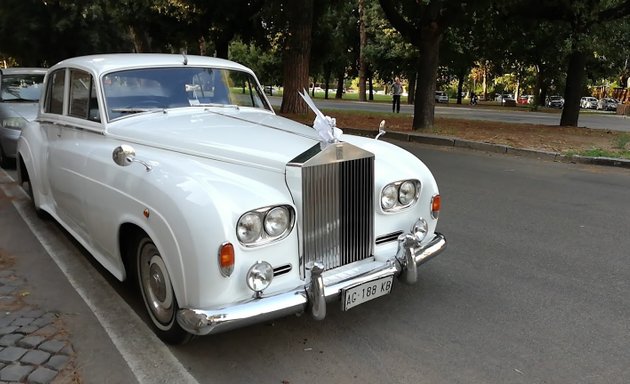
{"x":34,"y":348}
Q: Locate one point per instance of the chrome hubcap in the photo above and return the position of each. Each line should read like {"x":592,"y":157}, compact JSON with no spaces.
{"x":156,"y":285}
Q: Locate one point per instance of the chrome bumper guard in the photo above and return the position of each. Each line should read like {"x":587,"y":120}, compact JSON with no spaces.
{"x":313,"y":296}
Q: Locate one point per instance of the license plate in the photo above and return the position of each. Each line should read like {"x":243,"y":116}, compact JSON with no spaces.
{"x":351,"y":297}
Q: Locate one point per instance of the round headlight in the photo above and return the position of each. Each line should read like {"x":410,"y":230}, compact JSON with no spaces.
{"x":420,"y":229}
{"x":407,"y":192}
{"x":389,"y":197}
{"x":277,"y":221}
{"x":249,"y":227}
{"x":259,"y":276}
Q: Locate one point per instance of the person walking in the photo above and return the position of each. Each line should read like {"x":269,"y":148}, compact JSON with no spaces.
{"x":397,"y":90}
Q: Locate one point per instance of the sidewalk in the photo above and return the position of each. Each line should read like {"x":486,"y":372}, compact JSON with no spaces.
{"x":47,"y":332}
{"x":33,"y":344}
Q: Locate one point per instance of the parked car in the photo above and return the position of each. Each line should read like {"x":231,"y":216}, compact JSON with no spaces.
{"x":20,"y":89}
{"x":506,"y":100}
{"x":441,"y":97}
{"x":175,"y":171}
{"x":607,"y":104}
{"x":588,"y":102}
{"x":555,"y":102}
{"x":525,"y":99}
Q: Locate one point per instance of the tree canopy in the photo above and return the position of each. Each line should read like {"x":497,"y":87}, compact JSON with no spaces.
{"x":538,"y":47}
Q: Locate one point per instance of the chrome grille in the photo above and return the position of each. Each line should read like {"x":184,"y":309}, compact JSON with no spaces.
{"x":337,"y":212}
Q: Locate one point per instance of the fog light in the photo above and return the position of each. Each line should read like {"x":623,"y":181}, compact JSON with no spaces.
{"x":420,"y":229}
{"x":259,"y":276}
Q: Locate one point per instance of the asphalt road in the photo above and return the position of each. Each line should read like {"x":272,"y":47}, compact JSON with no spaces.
{"x":533,"y":288}
{"x":589,"y":119}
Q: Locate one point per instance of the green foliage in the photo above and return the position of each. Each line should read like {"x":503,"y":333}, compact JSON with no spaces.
{"x":517,"y":43}
{"x":598,"y":152}
{"x":265,"y":63}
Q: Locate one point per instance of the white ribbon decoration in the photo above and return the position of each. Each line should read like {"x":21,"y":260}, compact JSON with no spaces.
{"x":325,"y":126}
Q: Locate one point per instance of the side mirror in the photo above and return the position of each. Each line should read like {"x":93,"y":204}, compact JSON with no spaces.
{"x":123,"y":155}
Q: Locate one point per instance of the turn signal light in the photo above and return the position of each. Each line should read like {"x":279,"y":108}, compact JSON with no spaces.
{"x":436,"y":203}
{"x":226,"y":259}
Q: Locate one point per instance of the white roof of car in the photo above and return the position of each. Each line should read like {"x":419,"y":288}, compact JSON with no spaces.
{"x":117,"y":61}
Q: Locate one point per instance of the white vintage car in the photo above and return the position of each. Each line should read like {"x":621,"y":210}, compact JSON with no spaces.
{"x":174,"y":170}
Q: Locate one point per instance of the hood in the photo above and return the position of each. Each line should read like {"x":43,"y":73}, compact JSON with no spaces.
{"x":27,"y":111}
{"x":242,"y":136}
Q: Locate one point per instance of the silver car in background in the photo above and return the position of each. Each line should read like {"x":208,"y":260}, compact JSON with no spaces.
{"x":21,"y":89}
{"x":588,"y":102}
{"x":607,"y":104}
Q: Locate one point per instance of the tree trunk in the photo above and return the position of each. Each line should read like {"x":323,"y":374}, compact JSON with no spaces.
{"x":202,"y":46}
{"x":484,"y":81}
{"x":362,"y":45}
{"x":340,"y":86}
{"x":140,"y":40}
{"x":370,"y":88}
{"x":221,"y":46}
{"x":424,"y":108}
{"x":327,"y":74}
{"x":412,"y":78}
{"x":296,"y":55}
{"x":460,"y":86}
{"x":573,"y":90}
{"x":540,"y":82}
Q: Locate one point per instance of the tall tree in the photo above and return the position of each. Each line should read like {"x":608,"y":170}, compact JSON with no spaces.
{"x":582,"y":18}
{"x":390,"y":56}
{"x":335,"y":43}
{"x":362,"y":46}
{"x":422,"y":23}
{"x":296,"y":54}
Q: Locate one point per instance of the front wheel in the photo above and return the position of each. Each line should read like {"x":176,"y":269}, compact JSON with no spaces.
{"x":157,"y":293}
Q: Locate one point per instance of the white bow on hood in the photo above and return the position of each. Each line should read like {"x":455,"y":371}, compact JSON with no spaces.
{"x":325,"y":126}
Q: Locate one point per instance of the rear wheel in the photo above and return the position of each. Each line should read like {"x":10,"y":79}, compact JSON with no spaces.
{"x":157,"y":293}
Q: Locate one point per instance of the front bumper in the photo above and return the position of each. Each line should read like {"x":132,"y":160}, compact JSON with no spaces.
{"x":311,"y":297}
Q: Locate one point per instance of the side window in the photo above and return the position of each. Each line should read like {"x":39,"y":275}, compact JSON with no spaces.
{"x":80,"y":90}
{"x":54,"y":93}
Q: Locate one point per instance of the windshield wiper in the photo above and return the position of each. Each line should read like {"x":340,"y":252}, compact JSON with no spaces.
{"x":216,"y":105}
{"x":136,"y":110}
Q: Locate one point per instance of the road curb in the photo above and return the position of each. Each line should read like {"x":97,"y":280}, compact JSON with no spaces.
{"x":446,"y":141}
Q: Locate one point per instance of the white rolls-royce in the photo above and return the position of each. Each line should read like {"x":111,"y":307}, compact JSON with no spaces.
{"x":175,"y":171}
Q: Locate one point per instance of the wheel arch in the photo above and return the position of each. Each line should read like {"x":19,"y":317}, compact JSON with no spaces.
{"x":22,"y":171}
{"x":128,"y":235}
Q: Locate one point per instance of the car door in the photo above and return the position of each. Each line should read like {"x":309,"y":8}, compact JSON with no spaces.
{"x":67,"y":147}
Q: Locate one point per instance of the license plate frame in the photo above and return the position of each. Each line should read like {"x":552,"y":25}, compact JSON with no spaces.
{"x":367,"y":291}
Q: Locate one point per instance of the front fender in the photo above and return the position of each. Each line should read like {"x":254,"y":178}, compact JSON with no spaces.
{"x":189,"y":206}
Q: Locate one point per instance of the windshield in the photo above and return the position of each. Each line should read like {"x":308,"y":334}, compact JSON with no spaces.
{"x":22,"y":87}
{"x":142,"y":90}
